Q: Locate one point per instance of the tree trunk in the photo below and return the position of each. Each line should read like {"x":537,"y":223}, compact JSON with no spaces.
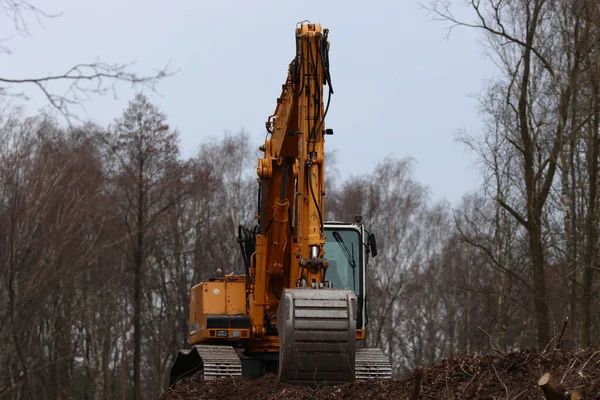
{"x":570,"y":221}
{"x":107,"y":391}
{"x":535,"y":198}
{"x":539,"y":285}
{"x":137,"y":326}
{"x":591,"y":226}
{"x":138,"y":276}
{"x":88,"y":367}
{"x":533,"y":223}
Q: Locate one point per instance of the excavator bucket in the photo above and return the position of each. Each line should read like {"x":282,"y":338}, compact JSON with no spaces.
{"x":317,"y":336}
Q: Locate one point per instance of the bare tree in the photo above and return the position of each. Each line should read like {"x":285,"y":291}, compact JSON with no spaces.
{"x":225,"y":197}
{"x":66,"y":90}
{"x":145,"y":170}
{"x":49,"y":181}
{"x":540,"y":74}
{"x":589,"y":15}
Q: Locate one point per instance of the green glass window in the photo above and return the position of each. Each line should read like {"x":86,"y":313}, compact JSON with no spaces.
{"x":342,"y":250}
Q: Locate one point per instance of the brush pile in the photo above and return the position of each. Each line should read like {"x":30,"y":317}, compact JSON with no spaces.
{"x":527,"y":374}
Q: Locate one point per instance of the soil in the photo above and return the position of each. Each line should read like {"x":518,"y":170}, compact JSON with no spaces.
{"x":494,"y":376}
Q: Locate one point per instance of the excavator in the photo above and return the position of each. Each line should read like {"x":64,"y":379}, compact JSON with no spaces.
{"x":299,"y":307}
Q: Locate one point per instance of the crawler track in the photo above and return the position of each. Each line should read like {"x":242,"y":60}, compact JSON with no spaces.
{"x":207,"y":362}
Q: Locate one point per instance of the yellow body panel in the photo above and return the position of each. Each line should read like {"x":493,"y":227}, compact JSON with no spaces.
{"x":235,"y":293}
{"x":217,"y":298}
{"x":212,"y":298}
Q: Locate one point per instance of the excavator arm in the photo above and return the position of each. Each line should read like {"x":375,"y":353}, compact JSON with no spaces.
{"x":289,"y":243}
{"x":316,"y":323}
{"x":294,"y":153}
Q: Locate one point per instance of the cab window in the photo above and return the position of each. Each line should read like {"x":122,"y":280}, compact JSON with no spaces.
{"x":342,"y":250}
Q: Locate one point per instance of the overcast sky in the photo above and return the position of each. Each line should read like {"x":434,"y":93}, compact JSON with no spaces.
{"x":400,"y":87}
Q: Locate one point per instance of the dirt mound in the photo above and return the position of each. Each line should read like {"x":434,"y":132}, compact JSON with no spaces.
{"x":496,"y":376}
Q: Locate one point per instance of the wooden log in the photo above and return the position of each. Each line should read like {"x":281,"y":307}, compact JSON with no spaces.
{"x":417,"y":386}
{"x":551,"y":391}
{"x":575,"y":396}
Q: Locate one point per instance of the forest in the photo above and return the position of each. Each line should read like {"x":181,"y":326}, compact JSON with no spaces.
{"x":104,"y":229}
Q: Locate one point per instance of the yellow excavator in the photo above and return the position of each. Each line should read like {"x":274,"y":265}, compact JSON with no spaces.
{"x":298,"y":308}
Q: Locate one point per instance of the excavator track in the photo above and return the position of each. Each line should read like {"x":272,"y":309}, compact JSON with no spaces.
{"x":317,"y":333}
{"x":214,"y":362}
{"x":372,"y":364}
{"x":207,"y":362}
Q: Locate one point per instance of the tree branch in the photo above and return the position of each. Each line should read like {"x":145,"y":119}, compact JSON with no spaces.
{"x":445,"y":14}
{"x":513,"y":212}
{"x":102,"y":77}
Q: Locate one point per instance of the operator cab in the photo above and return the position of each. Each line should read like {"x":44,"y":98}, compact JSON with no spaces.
{"x":347,"y":248}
